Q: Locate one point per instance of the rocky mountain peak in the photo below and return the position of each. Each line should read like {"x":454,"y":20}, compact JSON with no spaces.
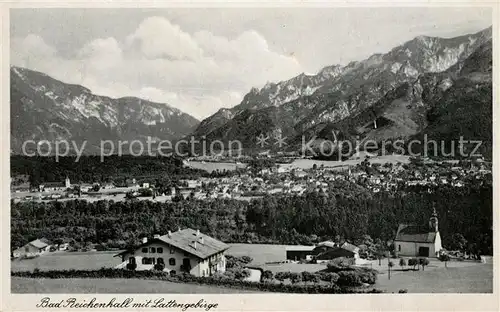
{"x":43,"y":108}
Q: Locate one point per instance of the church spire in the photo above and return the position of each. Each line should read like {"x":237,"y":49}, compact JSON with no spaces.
{"x":433,"y":221}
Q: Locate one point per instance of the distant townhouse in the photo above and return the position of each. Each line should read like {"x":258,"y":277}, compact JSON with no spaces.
{"x":186,"y":250}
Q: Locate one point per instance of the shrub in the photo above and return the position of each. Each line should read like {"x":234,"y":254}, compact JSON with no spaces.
{"x":241,"y":274}
{"x":340,"y":264}
{"x":349,"y":279}
{"x":368,"y":277}
{"x":246,"y":259}
{"x":444,"y":257}
{"x":281,"y":276}
{"x":173,"y":273}
{"x":159,"y":267}
{"x":232,"y":261}
{"x":334,"y":277}
{"x":188,"y":278}
{"x":403,"y":291}
{"x":295,"y":278}
{"x":267,"y":274}
{"x":306,"y":276}
{"x":131,"y":266}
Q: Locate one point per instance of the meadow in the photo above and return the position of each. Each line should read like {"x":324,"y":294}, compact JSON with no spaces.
{"x":457,"y":277}
{"x":68,"y":260}
{"x":106,"y":285}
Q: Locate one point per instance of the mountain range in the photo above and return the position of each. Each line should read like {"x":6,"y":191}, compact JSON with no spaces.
{"x":440,"y":87}
{"x":385,"y":96}
{"x":43,"y":108}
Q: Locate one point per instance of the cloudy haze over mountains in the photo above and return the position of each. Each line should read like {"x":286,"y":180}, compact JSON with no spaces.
{"x":200,"y":65}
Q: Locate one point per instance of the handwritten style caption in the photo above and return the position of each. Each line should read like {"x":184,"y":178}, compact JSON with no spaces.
{"x":114,"y":303}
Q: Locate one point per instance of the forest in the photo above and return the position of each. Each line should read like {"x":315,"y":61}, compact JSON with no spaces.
{"x":346,"y":210}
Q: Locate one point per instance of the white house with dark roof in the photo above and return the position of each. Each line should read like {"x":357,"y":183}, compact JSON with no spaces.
{"x":418,"y":241}
{"x":186,"y":250}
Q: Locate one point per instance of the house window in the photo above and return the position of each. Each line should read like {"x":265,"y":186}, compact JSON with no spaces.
{"x":131,"y":260}
{"x":145,"y":250}
{"x":26,"y":249}
{"x":171,"y":261}
{"x":399,"y":247}
{"x":159,"y":250}
{"x":148,"y":260}
{"x":160,"y":261}
{"x":152,"y":250}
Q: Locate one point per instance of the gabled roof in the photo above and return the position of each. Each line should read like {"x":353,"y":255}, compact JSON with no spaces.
{"x":39,"y":243}
{"x":184,"y":240}
{"x":327,"y":244}
{"x":415,"y":233}
{"x":350,"y":247}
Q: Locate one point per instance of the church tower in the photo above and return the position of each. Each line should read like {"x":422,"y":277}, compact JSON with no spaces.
{"x":433,"y":221}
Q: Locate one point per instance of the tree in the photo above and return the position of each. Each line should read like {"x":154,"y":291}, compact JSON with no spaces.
{"x":402,"y":262}
{"x":423,"y":262}
{"x":444,"y":257}
{"x":458,"y":242}
{"x":390,"y":264}
{"x":413,"y":262}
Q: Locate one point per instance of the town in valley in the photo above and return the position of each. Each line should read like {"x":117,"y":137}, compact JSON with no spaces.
{"x":344,"y":163}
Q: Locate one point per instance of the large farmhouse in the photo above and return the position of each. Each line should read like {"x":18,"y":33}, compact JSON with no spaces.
{"x":182,"y":251}
{"x":418,"y":241}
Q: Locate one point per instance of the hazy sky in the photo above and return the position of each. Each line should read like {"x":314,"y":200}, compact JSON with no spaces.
{"x":200,"y":60}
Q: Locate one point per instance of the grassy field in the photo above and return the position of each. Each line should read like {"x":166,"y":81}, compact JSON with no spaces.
{"x":458,"y":277}
{"x":68,"y":260}
{"x":261,"y":253}
{"x":135,"y":286}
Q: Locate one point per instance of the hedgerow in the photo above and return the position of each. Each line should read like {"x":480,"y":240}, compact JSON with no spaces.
{"x":219,"y":280}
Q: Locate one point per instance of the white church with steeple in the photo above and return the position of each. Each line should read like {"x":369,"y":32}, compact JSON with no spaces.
{"x":418,"y":241}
